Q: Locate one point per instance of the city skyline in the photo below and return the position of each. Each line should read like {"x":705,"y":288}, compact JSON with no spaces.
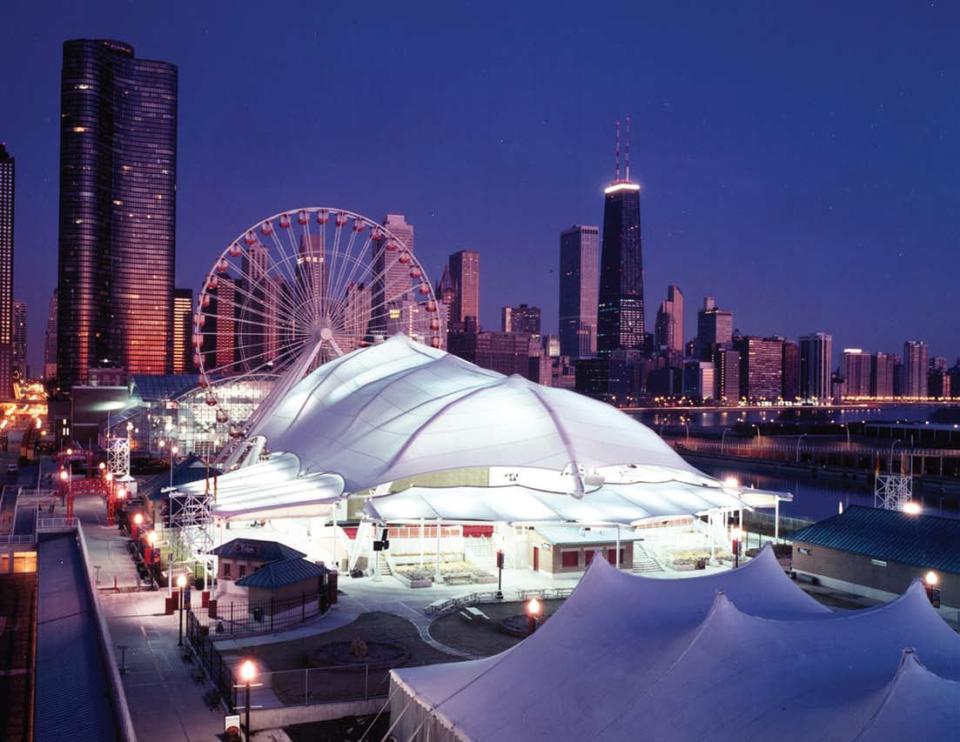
{"x":751,"y":215}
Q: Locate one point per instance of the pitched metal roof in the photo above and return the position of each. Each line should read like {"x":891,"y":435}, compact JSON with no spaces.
{"x":191,"y":469}
{"x":926,"y":541}
{"x":256,"y":550}
{"x":279,"y":574}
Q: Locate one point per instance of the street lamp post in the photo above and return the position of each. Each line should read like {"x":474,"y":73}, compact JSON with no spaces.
{"x":173,"y":454}
{"x":800,"y":438}
{"x":723,"y":435}
{"x":890,"y":465}
{"x":737,"y":536}
{"x":182,"y":584}
{"x":248,"y":671}
{"x":759,"y":436}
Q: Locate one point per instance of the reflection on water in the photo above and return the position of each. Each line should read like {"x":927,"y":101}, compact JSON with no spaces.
{"x":714,"y":418}
{"x":816,"y":499}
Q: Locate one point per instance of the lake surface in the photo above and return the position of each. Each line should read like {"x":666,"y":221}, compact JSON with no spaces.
{"x":816,"y":499}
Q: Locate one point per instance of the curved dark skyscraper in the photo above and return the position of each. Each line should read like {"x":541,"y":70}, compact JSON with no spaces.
{"x":118,"y":175}
{"x":620,"y":320}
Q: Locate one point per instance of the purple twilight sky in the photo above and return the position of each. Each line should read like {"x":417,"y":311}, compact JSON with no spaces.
{"x":799,"y":161}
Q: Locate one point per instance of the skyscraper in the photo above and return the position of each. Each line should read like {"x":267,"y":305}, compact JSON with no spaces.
{"x":915,"y":368}
{"x":761,"y":367}
{"x":7,"y":188}
{"x":856,"y":372}
{"x":816,"y":361}
{"x":620,"y":318}
{"x":391,"y":282}
{"x":882,"y":372}
{"x":20,"y":339}
{"x":465,"y":274}
{"x":182,"y":331}
{"x":791,"y":370}
{"x":669,"y":327}
{"x":118,"y":174}
{"x":521,"y":318}
{"x":579,"y":262}
{"x":50,"y":340}
{"x":714,"y":328}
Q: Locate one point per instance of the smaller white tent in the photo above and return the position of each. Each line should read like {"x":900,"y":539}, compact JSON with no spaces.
{"x":739,"y":655}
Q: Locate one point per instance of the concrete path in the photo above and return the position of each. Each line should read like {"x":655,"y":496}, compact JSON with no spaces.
{"x":107,"y":546}
{"x":165,"y":702}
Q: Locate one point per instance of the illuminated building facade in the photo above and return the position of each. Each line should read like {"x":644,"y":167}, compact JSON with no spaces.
{"x":579,"y":264}
{"x":522,"y":318}
{"x":620,"y":313}
{"x":20,"y":339}
{"x":50,"y":340}
{"x":118,"y":138}
{"x":7,"y":188}
{"x":856,"y":372}
{"x":915,"y":368}
{"x":465,"y":273}
{"x":761,"y":367}
{"x":816,"y":359}
{"x":182,"y":331}
{"x":669,"y":328}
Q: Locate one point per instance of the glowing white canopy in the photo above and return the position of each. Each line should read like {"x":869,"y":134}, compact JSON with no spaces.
{"x":401,"y":409}
{"x":737,"y":655}
{"x":620,"y":503}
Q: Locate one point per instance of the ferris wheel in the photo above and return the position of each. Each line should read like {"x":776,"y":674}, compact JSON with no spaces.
{"x":300,"y":288}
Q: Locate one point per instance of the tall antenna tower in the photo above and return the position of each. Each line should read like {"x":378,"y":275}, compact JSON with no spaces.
{"x":627,"y":158}
{"x":616,"y":177}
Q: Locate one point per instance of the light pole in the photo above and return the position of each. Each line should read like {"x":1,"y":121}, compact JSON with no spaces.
{"x":754,"y":425}
{"x":182,"y":584}
{"x":847,"y":428}
{"x":248,"y":672}
{"x":533,"y":615}
{"x":736,"y":535}
{"x":722,"y":436}
{"x":890,"y":466}
{"x":173,"y":454}
{"x":800,"y":438}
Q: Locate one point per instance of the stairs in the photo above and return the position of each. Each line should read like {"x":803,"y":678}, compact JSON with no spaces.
{"x":383,"y":566}
{"x":643,"y":563}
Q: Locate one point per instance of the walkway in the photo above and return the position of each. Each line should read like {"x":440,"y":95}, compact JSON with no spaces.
{"x":107,"y":547}
{"x":165,"y":702}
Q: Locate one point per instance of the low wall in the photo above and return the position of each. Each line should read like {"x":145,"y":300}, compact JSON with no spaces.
{"x":276,"y":718}
{"x":119,"y":696}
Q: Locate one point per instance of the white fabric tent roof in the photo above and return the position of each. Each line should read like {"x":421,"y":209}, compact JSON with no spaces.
{"x":271,"y":485}
{"x":612,"y":503}
{"x":737,"y":655}
{"x":400,"y":409}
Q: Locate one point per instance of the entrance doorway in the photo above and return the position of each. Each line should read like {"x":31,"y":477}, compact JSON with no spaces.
{"x":536,"y":558}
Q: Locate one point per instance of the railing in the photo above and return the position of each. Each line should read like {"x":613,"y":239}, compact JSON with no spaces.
{"x":243,"y":618}
{"x":18,"y":540}
{"x":56,"y":525}
{"x":283,"y":688}
{"x":757,"y":449}
{"x":211,"y":660}
{"x":490,"y":596}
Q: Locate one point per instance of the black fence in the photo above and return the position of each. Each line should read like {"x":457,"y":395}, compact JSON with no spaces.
{"x":241,"y":617}
{"x":212,"y":661}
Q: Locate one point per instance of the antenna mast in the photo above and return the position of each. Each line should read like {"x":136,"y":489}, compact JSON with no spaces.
{"x":627,"y":163}
{"x":617,"y":172}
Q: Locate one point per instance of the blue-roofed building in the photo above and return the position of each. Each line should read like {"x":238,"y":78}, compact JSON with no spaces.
{"x":878,"y":553}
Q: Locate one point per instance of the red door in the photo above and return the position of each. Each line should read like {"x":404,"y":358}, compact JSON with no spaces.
{"x":536,"y":558}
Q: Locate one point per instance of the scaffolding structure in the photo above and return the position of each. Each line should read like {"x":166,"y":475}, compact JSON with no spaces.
{"x":191,"y":526}
{"x":118,"y":455}
{"x":892,"y":491}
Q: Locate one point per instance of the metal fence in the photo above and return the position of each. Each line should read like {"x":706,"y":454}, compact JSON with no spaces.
{"x":311,"y":685}
{"x":212,"y":661}
{"x":490,"y":596}
{"x":243,"y":618}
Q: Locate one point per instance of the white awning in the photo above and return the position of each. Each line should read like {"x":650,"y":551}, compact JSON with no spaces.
{"x":618,"y":503}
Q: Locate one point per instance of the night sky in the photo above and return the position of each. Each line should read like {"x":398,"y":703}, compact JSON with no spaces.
{"x":799,"y":160}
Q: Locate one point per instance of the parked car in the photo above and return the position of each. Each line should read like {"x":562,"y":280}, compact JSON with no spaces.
{"x":12,"y":469}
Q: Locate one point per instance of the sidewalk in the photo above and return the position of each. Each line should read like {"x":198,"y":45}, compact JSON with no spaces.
{"x":106,"y":545}
{"x":165,"y":702}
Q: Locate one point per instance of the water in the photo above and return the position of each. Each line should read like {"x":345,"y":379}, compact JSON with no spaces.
{"x":816,"y":499}
{"x":721,"y":418}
